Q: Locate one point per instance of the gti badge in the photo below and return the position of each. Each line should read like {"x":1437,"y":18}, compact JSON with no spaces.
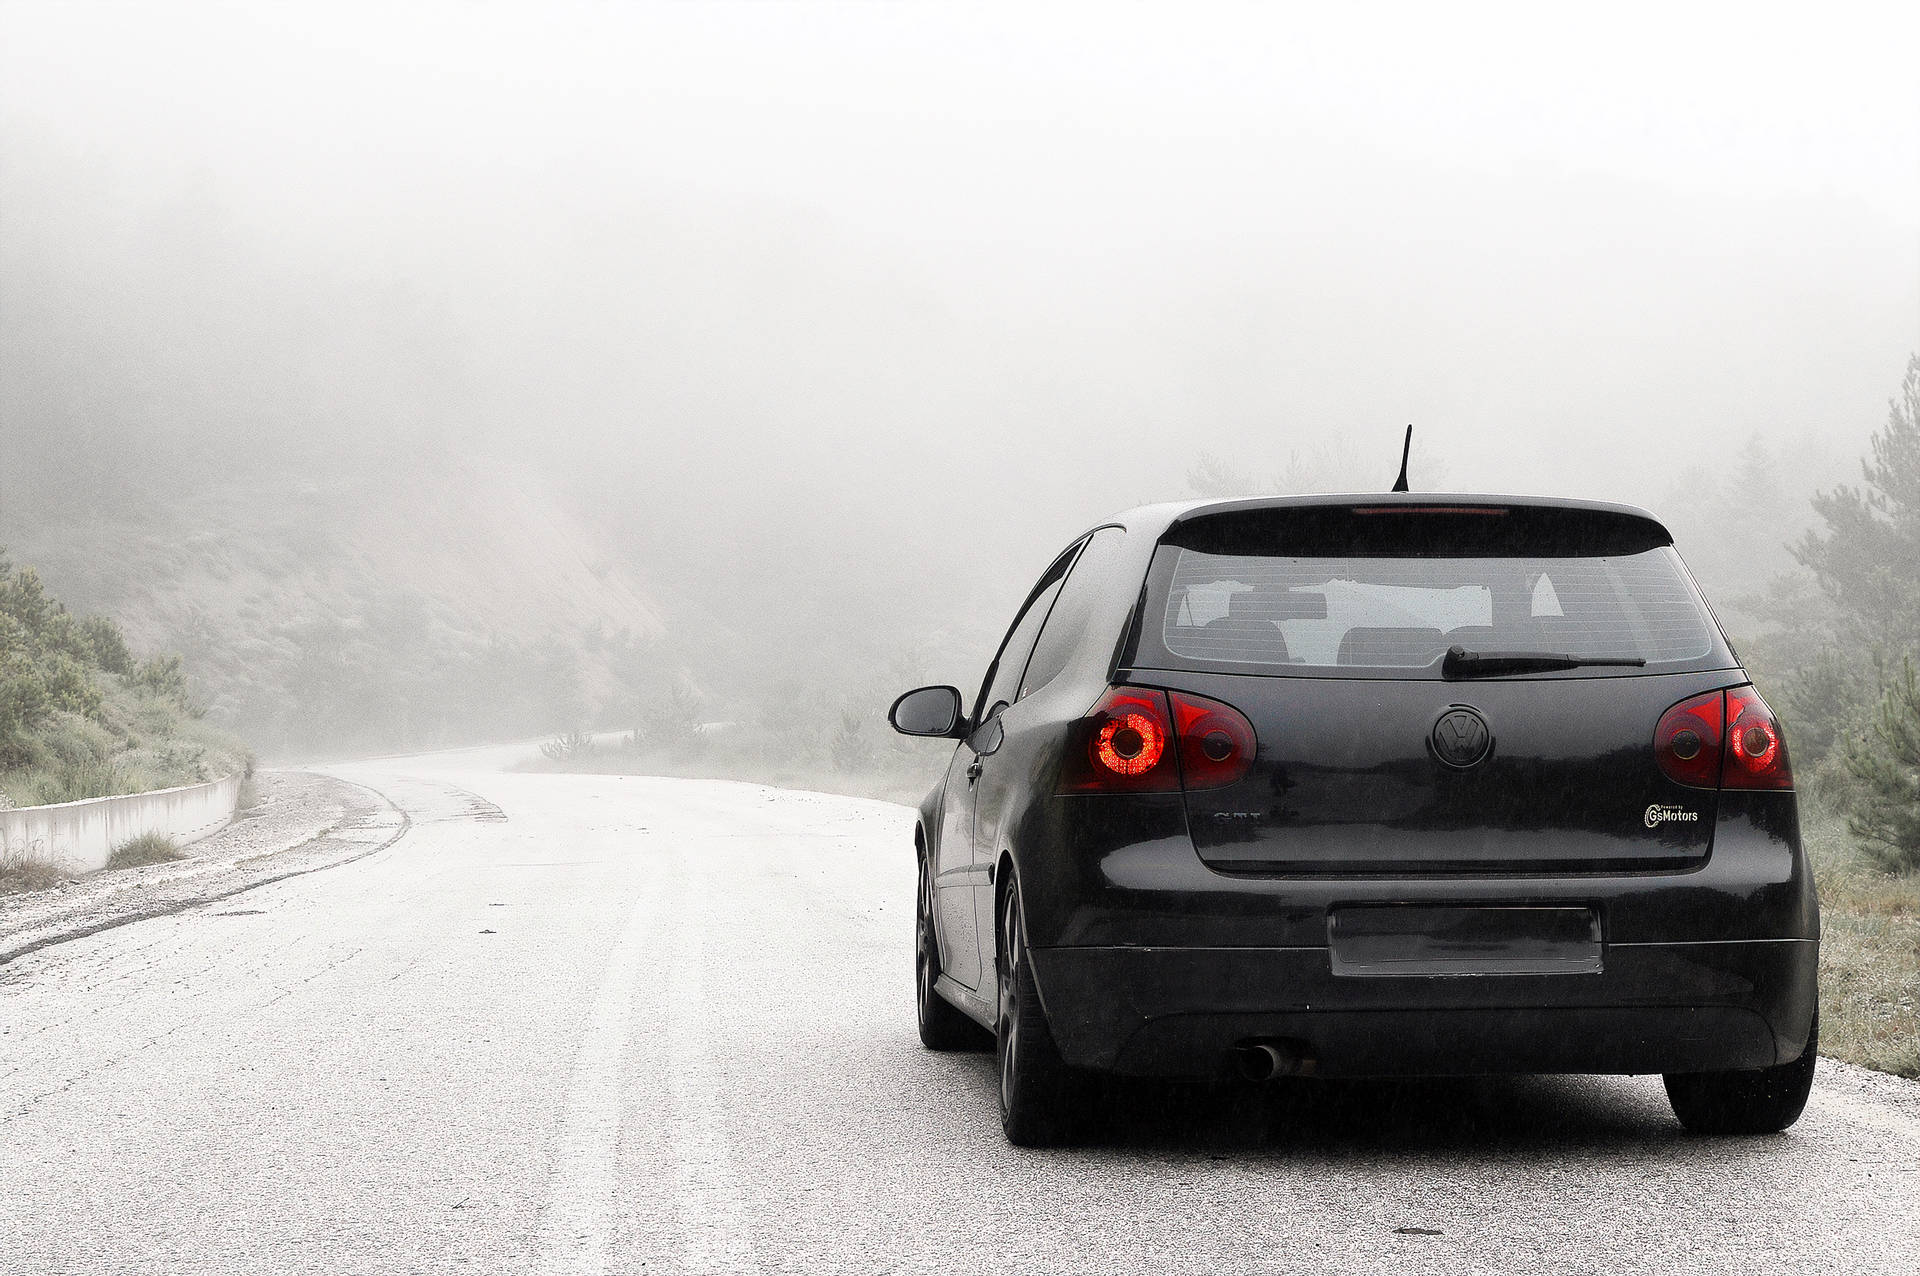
{"x":1461,"y":738}
{"x":1658,"y":815}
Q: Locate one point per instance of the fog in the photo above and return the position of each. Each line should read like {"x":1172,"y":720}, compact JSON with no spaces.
{"x":791,"y":341}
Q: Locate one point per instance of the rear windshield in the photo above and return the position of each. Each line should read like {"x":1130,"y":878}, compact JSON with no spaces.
{"x":1350,"y":615}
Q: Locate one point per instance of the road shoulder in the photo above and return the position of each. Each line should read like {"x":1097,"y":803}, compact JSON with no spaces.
{"x":303,"y":822}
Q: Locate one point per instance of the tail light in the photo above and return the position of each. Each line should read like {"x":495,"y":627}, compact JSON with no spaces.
{"x":1123,"y":746}
{"x":1727,"y":739}
{"x":1216,"y":741}
{"x":1756,"y":751}
{"x":1143,"y":740}
{"x":1687,"y":741}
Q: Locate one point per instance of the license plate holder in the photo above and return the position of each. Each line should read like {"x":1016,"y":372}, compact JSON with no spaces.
{"x":1393,"y":940}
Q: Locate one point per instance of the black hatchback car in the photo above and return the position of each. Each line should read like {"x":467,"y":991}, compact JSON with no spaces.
{"x":1368,"y":786}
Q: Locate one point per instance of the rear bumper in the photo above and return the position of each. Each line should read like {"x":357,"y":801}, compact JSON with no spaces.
{"x":1674,"y":1007}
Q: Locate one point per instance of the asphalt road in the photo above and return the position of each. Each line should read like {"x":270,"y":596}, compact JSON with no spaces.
{"x":583,"y":1024}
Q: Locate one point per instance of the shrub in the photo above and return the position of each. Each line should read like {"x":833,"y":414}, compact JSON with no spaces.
{"x":106,"y":646}
{"x":669,"y":723}
{"x":70,"y":685}
{"x":76,"y":709}
{"x":165,"y":678}
{"x":46,"y":663}
{"x":571,"y":745}
{"x":852,"y":751}
{"x":1885,"y":762}
{"x":27,"y":870}
{"x":23,"y":699}
{"x":24,"y":599}
{"x":148,"y":848}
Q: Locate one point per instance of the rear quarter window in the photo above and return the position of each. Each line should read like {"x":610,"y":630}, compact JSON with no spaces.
{"x":1087,"y":587}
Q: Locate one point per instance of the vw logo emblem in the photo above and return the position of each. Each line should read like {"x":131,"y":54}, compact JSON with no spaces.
{"x":1461,"y":738}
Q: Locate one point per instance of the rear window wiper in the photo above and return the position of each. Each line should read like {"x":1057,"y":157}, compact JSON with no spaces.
{"x":1461,"y":663}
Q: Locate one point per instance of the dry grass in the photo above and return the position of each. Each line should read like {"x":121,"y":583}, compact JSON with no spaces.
{"x":28,"y":872}
{"x":148,"y":848}
{"x":1869,"y":952}
{"x":1869,"y":1003}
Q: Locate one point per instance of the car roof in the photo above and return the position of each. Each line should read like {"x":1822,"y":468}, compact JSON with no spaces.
{"x":1155,"y":520}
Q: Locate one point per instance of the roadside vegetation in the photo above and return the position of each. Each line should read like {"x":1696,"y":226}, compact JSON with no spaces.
{"x":1869,"y":951}
{"x":27,"y":871}
{"x":82,"y":717}
{"x":148,"y":848}
{"x":1839,"y":664}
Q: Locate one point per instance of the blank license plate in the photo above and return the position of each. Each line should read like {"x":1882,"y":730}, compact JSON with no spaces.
{"x":1404,"y":939}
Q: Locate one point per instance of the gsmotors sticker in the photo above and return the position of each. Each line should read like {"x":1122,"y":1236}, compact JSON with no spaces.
{"x":1658,"y":815}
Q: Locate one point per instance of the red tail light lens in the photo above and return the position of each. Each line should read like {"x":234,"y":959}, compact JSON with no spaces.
{"x":1687,"y":741}
{"x":1142,"y":740}
{"x":1130,"y":744}
{"x":1726,"y":739}
{"x":1216,"y":741}
{"x":1122,"y":746}
{"x":1756,"y":751}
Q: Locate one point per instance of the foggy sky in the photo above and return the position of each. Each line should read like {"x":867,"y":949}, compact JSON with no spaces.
{"x":963,"y":280}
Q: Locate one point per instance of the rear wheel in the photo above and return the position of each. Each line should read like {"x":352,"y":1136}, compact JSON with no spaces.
{"x":942,"y":1025}
{"x":1754,"y":1101}
{"x":1039,"y":1094}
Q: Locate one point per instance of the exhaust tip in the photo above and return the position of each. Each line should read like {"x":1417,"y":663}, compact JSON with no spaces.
{"x":1256,"y":1062}
{"x":1270,"y":1060}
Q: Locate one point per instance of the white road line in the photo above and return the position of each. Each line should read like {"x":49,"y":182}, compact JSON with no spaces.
{"x":714,"y":1235}
{"x":579,"y":1217}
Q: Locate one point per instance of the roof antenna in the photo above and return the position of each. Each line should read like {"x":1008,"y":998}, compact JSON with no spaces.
{"x":1400,"y":484}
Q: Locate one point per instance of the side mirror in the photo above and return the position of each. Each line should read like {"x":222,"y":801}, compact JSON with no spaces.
{"x":933,"y":711}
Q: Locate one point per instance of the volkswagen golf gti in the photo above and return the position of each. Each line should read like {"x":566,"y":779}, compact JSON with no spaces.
{"x":1392,"y":785}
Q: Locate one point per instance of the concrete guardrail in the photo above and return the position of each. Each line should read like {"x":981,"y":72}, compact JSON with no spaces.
{"x":80,"y":836}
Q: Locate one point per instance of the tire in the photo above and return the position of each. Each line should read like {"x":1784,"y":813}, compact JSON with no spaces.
{"x":942,"y":1025}
{"x":1040,"y":1096}
{"x":1755,"y":1101}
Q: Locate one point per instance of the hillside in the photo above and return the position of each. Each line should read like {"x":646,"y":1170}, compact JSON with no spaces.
{"x":385,"y":606}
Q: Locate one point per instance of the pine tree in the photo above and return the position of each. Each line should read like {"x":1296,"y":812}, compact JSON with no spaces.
{"x":1868,"y":559}
{"x":1886,"y":762}
{"x":1866,"y":563}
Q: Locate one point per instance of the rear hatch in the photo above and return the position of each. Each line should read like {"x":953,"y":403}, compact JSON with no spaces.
{"x":1329,"y":627}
